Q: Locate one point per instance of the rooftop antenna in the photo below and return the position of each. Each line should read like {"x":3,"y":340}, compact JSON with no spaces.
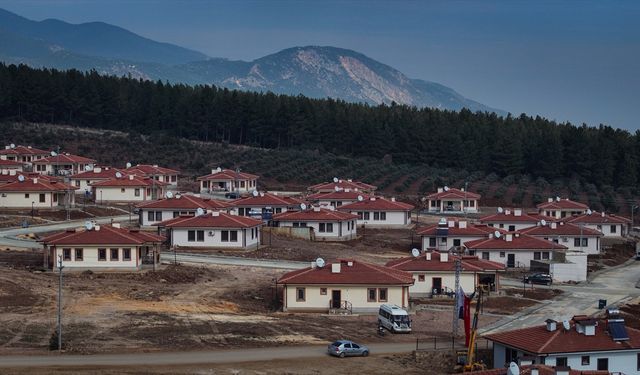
{"x":303,"y":206}
{"x":21,"y":178}
{"x":168,"y":195}
{"x":199,"y":212}
{"x":500,"y":210}
{"x":415,"y":252}
{"x":320,"y":262}
{"x":543,"y":222}
{"x":497,"y":234}
{"x":128,"y":165}
{"x":88,"y":225}
{"x":255,"y":193}
{"x":335,"y":179}
{"x":360,"y":198}
{"x":118,"y":175}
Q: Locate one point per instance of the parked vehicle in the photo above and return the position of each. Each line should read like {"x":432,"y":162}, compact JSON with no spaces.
{"x":538,"y":278}
{"x":394,"y":318}
{"x":346,"y":348}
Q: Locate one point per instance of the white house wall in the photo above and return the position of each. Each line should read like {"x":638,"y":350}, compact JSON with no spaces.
{"x":179,"y":237}
{"x":424,"y":288}
{"x":507,"y":225}
{"x":339,"y":231}
{"x":115,"y":194}
{"x":448,"y":244}
{"x":575,"y":268}
{"x":355,"y":294}
{"x":394,"y":219}
{"x":90,"y":257}
{"x":619,"y":362}
{"x":19,"y":200}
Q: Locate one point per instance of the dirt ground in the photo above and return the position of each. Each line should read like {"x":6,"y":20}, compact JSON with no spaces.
{"x":616,"y":255}
{"x":58,"y":215}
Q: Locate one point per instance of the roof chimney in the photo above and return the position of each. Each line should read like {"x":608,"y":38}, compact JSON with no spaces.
{"x":507,"y":212}
{"x":316,"y":208}
{"x":439,"y":190}
{"x":451,"y":223}
{"x":131,"y":177}
{"x":215,"y":213}
{"x":35,"y":180}
{"x":563,"y":370}
{"x":549,"y":200}
{"x":462,"y":224}
{"x":534,"y":371}
{"x":508,"y":237}
{"x":444,"y":257}
{"x":116,"y":225}
{"x":97,"y":170}
{"x":553,"y":225}
{"x":428,"y":255}
{"x":517,"y":212}
{"x":335,"y":267}
{"x":96,"y":227}
{"x":393,"y":199}
{"x":551,"y":325}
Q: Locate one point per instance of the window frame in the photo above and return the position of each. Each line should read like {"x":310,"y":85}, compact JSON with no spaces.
{"x":200,"y":236}
{"x":78,"y":251}
{"x":102,"y":258}
{"x":562,"y":361}
{"x":42,"y":198}
{"x":421,"y":278}
{"x":224,"y":236}
{"x":304,"y":294}
{"x":126,"y":250}
{"x":117,"y":252}
{"x":585,"y":360}
{"x":66,"y":251}
{"x":233,"y":236}
{"x":191,"y":235}
{"x":386,"y":294}
{"x":329,"y":228}
{"x":323,"y":291}
{"x":369,"y":294}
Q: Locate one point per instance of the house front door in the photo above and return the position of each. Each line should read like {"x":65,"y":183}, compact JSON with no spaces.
{"x":437,"y":285}
{"x":336,"y":295}
{"x":511,"y":260}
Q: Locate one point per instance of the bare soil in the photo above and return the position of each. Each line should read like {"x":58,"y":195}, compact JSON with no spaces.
{"x":77,"y":213}
{"x":9,"y":221}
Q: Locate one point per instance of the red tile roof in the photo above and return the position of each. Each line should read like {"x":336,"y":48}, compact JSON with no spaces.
{"x":211,"y":220}
{"x":228,"y":174}
{"x":322,"y":214}
{"x":359,"y":273}
{"x":10,"y":163}
{"x":420,"y":263}
{"x":453,"y":193}
{"x":186,"y":202}
{"x":537,"y":340}
{"x":337,"y":196}
{"x":128,"y":181}
{"x":23,"y":150}
{"x":65,"y":159}
{"x":6,"y":178}
{"x":146,"y":169}
{"x":106,"y":235}
{"x":469,"y":231}
{"x":563,"y":204}
{"x":561,"y":229}
{"x":519,"y":242}
{"x":528,"y":217}
{"x":266,"y":200}
{"x":342,"y":184}
{"x":99,"y":173}
{"x":377,"y":204}
{"x":597,"y":218}
{"x":42,"y":184}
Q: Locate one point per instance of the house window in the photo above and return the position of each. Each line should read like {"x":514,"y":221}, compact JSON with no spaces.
{"x":224,"y":237}
{"x":638,"y":360}
{"x":420,"y":278}
{"x":456,"y":242}
{"x":329,"y":227}
{"x":472,"y":203}
{"x":561,"y":361}
{"x":613,"y":230}
{"x":536,"y":255}
{"x":372,"y":294}
{"x":122,"y":190}
{"x":323,"y":291}
{"x":77,"y":183}
{"x":26,"y":196}
{"x":603,"y":364}
{"x":242,"y":184}
{"x":174,"y":178}
{"x":360,"y":215}
{"x":367,"y":215}
{"x":102,"y":254}
{"x":586,"y":360}
{"x":150,"y":215}
{"x":502,"y":254}
{"x":432,"y":242}
{"x":382,"y":295}
{"x":79,"y":255}
{"x":191,"y":236}
{"x":322,"y":228}
{"x":545,"y":255}
{"x":501,"y":225}
{"x":576,"y":242}
{"x":158,"y":215}
{"x":42,"y":198}
{"x":136,"y":192}
{"x":176,"y":214}
{"x":585,"y":242}
{"x":200,"y":234}
{"x":485,"y":255}
{"x":114,"y":254}
{"x":512,"y":228}
{"x":300,"y":294}
{"x":126,"y":254}
{"x":234,"y":235}
{"x":376,"y":216}
{"x":66,"y":254}
{"x":278,"y":210}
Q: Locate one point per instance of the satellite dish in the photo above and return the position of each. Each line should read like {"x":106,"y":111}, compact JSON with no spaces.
{"x":88,"y":167}
{"x":543,"y":222}
{"x":88,"y":225}
{"x":415,"y":252}
{"x":566,"y":325}
{"x":513,"y":369}
{"x":335,"y":179}
{"x":199,"y":212}
{"x":320,"y":262}
{"x":500,"y":210}
{"x":446,"y":188}
{"x":21,"y":178}
{"x":255,"y":193}
{"x":118,"y":175}
{"x":53,"y":153}
{"x":168,"y":194}
{"x":360,"y":198}
{"x":128,"y":165}
{"x":589,"y":212}
{"x":12,"y":145}
{"x":557,"y":199}
{"x":497,"y":234}
{"x":336,"y":188}
{"x":303,"y":206}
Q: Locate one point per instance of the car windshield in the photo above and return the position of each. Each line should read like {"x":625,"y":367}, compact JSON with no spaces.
{"x":337,"y":343}
{"x":401,"y":318}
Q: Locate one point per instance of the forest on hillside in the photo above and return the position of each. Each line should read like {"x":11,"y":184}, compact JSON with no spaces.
{"x":484,"y":142}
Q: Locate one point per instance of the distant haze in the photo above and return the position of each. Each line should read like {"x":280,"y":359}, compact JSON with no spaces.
{"x":572,"y":61}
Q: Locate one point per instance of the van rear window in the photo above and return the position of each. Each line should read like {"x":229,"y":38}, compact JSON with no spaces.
{"x":337,"y":343}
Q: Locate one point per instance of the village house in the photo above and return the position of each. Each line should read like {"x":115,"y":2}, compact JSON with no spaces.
{"x":102,"y":248}
{"x":127,"y":189}
{"x":513,"y":219}
{"x":337,"y":198}
{"x":574,"y":237}
{"x":166,"y":175}
{"x":341,"y":185}
{"x":450,"y":234}
{"x":228,"y":180}
{"x":561,"y":208}
{"x":451,"y":200}
{"x":435,"y":273}
{"x":6,"y":165}
{"x":174,"y":205}
{"x":62,"y":164}
{"x":344,"y":286}
{"x":84,"y":179}
{"x":214,"y":230}
{"x":325,"y":224}
{"x":36,"y":192}
{"x":514,"y":250}
{"x":13,"y":175}
{"x":582,"y":343}
{"x":23,"y":154}
{"x":610,"y":225}
{"x":264,"y":205}
{"x":525,"y":368}
{"x":378,"y":212}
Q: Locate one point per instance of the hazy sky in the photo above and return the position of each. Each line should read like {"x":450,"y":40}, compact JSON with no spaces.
{"x":565,"y":60}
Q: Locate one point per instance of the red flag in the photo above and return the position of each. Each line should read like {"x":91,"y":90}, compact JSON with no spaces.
{"x":467,"y":320}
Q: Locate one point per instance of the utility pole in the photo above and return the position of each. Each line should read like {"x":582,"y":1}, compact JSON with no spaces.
{"x":455,"y":304}
{"x":60,"y":267}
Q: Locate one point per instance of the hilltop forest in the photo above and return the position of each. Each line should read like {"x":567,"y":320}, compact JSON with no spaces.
{"x":478,"y":142}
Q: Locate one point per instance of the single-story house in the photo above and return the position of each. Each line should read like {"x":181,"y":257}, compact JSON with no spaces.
{"x":435,"y":273}
{"x":574,"y":237}
{"x":214,"y":230}
{"x":451,"y":233}
{"x":609,"y":224}
{"x":561,"y":208}
{"x":337,"y":198}
{"x":514,"y":219}
{"x":513,"y":249}
{"x":341,"y":185}
{"x":84,"y":179}
{"x":378,"y":212}
{"x":326,"y":224}
{"x":451,"y":200}
{"x":166,"y":175}
{"x":228,"y":180}
{"x":62,"y":164}
{"x":36,"y":192}
{"x":263,"y":205}
{"x":23,"y":154}
{"x":128,"y":188}
{"x":102,"y":247}
{"x":345,"y":285}
{"x":154,"y":212}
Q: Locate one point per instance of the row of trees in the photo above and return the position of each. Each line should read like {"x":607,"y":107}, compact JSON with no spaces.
{"x":444,"y":139}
